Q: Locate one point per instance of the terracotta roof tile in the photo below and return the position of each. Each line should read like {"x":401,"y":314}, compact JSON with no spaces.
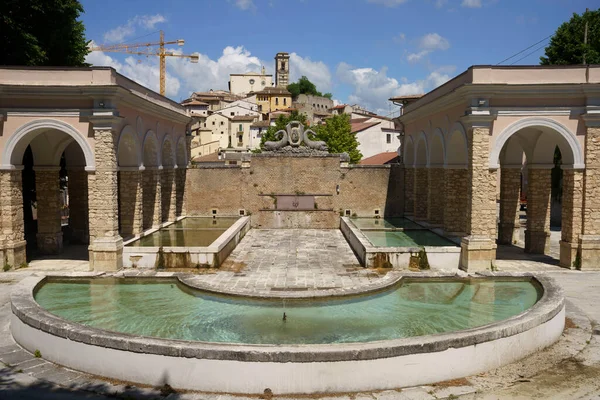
{"x":361,"y":126}
{"x":381,"y":158}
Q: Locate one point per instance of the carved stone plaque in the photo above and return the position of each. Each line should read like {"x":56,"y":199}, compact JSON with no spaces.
{"x":300,"y":202}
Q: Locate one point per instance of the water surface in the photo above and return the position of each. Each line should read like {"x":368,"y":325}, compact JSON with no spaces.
{"x":409,"y":238}
{"x":167,"y":310}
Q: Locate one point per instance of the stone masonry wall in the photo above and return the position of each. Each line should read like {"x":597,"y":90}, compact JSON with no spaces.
{"x":409,"y":190}
{"x":421,"y":190}
{"x":12,"y":235}
{"x":229,"y":189}
{"x":539,"y":187}
{"x":168,"y":194}
{"x":455,"y":200}
{"x":591,"y":202}
{"x":436,"y":200}
{"x":481,"y":219}
{"x":151,"y":195}
{"x":47,"y":187}
{"x":130,"y":207}
{"x":572,"y":203}
{"x":510,"y":187}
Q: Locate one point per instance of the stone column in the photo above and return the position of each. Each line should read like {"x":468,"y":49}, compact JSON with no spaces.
{"x":572,"y":204}
{"x":421,"y":191}
{"x":456,"y":187}
{"x":435,"y":199}
{"x":47,"y":188}
{"x":130,"y":201}
{"x":106,"y":248}
{"x":78,"y":204}
{"x":539,"y":187}
{"x":180,"y":179}
{"x":510,"y":189}
{"x":12,"y":231}
{"x":168,"y":194}
{"x":151,"y":194}
{"x":590,"y":239}
{"x":479,"y":247}
{"x":409,"y":190}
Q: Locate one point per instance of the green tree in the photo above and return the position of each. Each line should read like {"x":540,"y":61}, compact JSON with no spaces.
{"x":280,"y":124}
{"x":567,"y":45}
{"x":42,"y":33}
{"x":305,"y":86}
{"x":337,"y":133}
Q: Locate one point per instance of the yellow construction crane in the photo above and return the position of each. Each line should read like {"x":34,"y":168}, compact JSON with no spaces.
{"x":134,"y":48}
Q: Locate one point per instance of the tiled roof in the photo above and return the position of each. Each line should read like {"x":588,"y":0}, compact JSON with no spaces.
{"x":361,"y":126}
{"x":338,"y":107}
{"x":358,"y":120}
{"x":381,"y":158}
{"x":261,"y":124}
{"x":194,"y":103}
{"x":244,"y":118}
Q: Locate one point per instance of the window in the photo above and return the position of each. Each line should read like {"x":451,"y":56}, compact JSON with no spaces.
{"x":276,"y":101}
{"x":388,"y":138}
{"x":222,"y":123}
{"x":213,"y":122}
{"x":205,"y":124}
{"x":232,"y":113}
{"x":284,"y":101}
{"x":260,"y":108}
{"x":241,"y":128}
{"x":221,"y":132}
{"x":252,"y":81}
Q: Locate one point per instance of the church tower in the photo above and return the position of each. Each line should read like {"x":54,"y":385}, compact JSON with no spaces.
{"x":282,"y":70}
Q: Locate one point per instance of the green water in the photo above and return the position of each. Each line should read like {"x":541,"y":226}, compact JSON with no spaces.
{"x":179,"y":237}
{"x":203,"y":223}
{"x":388,"y":223}
{"x":410,"y":238}
{"x":165,"y":310}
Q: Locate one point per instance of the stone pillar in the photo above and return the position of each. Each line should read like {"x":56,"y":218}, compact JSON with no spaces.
{"x":456,"y":187}
{"x":130,"y":201}
{"x":435,"y":199}
{"x":47,"y":188}
{"x":409,"y":190}
{"x":572,"y":204}
{"x":479,"y":247}
{"x":151,"y":194}
{"x":168,"y":194}
{"x":180,"y":179}
{"x":539,"y":187}
{"x":12,"y":231}
{"x":510,"y":190}
{"x":106,"y":248}
{"x":421,"y":191}
{"x":78,"y":204}
{"x":590,"y":239}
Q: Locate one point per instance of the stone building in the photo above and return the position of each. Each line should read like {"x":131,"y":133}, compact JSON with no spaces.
{"x":282,"y":70}
{"x":464,"y":146}
{"x":273,"y":99}
{"x":242,"y":84}
{"x":316,"y":108}
{"x":123,"y":147}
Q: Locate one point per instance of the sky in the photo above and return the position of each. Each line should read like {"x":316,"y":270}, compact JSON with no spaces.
{"x":362,"y":51}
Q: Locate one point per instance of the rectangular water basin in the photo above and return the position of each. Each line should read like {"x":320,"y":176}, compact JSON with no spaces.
{"x":186,"y":243}
{"x":396,"y":241}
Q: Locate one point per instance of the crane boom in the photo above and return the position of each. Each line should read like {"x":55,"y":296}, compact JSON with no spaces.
{"x":135,"y":48}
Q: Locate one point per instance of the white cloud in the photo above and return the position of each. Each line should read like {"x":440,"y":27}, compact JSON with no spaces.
{"x":433,"y":41}
{"x":471,"y":3}
{"x":372,"y":88}
{"x":245,"y":4}
{"x":121,"y":32}
{"x":416,"y":57}
{"x":316,"y":71}
{"x":388,"y":3}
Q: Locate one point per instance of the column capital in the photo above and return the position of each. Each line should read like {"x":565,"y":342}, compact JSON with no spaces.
{"x":105,"y":119}
{"x":477,"y":118}
{"x":591,"y":117}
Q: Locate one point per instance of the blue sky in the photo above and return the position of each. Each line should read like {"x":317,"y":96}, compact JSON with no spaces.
{"x":363,"y":51}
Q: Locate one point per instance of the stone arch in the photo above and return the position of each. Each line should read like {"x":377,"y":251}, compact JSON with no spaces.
{"x":421,"y":150}
{"x":150,"y":150}
{"x":22,"y":137}
{"x":409,"y":151}
{"x":456,"y":147}
{"x":560,"y":136}
{"x":139,"y":125}
{"x":181,"y":153}
{"x":128,"y":148}
{"x":167,"y":153}
{"x":437,"y":149}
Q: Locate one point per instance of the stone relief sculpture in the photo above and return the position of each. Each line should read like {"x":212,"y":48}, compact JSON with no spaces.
{"x":293,"y":136}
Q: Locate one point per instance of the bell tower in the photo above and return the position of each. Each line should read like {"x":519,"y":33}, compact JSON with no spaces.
{"x":282,"y":70}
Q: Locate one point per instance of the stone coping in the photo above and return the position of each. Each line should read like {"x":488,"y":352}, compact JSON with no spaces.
{"x":369,"y":248}
{"x":30,"y":313}
{"x":214,"y":247}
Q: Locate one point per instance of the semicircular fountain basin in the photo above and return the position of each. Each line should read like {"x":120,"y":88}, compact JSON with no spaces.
{"x":159,"y":330}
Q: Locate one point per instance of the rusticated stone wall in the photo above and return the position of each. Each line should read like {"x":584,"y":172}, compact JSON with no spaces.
{"x":228,"y":189}
{"x":455,"y":197}
{"x":151,"y":195}
{"x":409,"y":190}
{"x":421,"y":190}
{"x":435,"y":207}
{"x":591,"y":202}
{"x":47,"y":187}
{"x":130,"y":202}
{"x":482,"y":190}
{"x":180,"y":177}
{"x":537,"y":235}
{"x":572,"y":203}
{"x":168,"y":194}
{"x":12,"y":235}
{"x":510,"y":189}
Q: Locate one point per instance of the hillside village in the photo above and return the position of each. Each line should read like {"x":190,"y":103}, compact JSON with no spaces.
{"x":227,"y":123}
